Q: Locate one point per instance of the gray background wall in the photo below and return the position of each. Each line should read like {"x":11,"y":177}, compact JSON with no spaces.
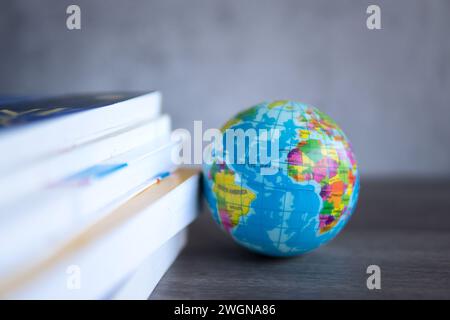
{"x":389,"y":89}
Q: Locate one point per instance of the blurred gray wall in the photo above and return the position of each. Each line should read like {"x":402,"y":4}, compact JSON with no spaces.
{"x":389,"y":89}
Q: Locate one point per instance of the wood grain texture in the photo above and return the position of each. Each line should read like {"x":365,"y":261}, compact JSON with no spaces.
{"x":402,"y":226}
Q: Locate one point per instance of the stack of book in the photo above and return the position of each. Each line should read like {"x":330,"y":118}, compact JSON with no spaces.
{"x":92,"y":205}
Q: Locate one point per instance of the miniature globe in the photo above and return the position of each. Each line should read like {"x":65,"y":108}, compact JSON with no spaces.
{"x":300,"y":197}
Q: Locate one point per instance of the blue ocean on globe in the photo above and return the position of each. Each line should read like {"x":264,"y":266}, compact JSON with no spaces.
{"x":302,"y":204}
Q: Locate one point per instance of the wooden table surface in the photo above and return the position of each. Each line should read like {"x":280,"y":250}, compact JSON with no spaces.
{"x":401,"y":226}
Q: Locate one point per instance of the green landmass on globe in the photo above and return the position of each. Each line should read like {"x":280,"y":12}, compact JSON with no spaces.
{"x":309,"y":198}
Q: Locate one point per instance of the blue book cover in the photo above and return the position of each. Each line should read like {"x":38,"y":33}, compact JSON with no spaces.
{"x":21,"y":110}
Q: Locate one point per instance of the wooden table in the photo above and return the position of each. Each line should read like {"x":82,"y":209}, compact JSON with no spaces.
{"x":403,"y":226}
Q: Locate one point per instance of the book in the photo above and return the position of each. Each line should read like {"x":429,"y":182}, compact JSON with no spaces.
{"x":40,"y":173}
{"x":77,"y":201}
{"x":110,"y":249}
{"x":38,"y":127}
{"x":141,"y":283}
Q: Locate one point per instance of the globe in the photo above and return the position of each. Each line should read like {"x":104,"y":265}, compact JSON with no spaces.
{"x":300,"y":198}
